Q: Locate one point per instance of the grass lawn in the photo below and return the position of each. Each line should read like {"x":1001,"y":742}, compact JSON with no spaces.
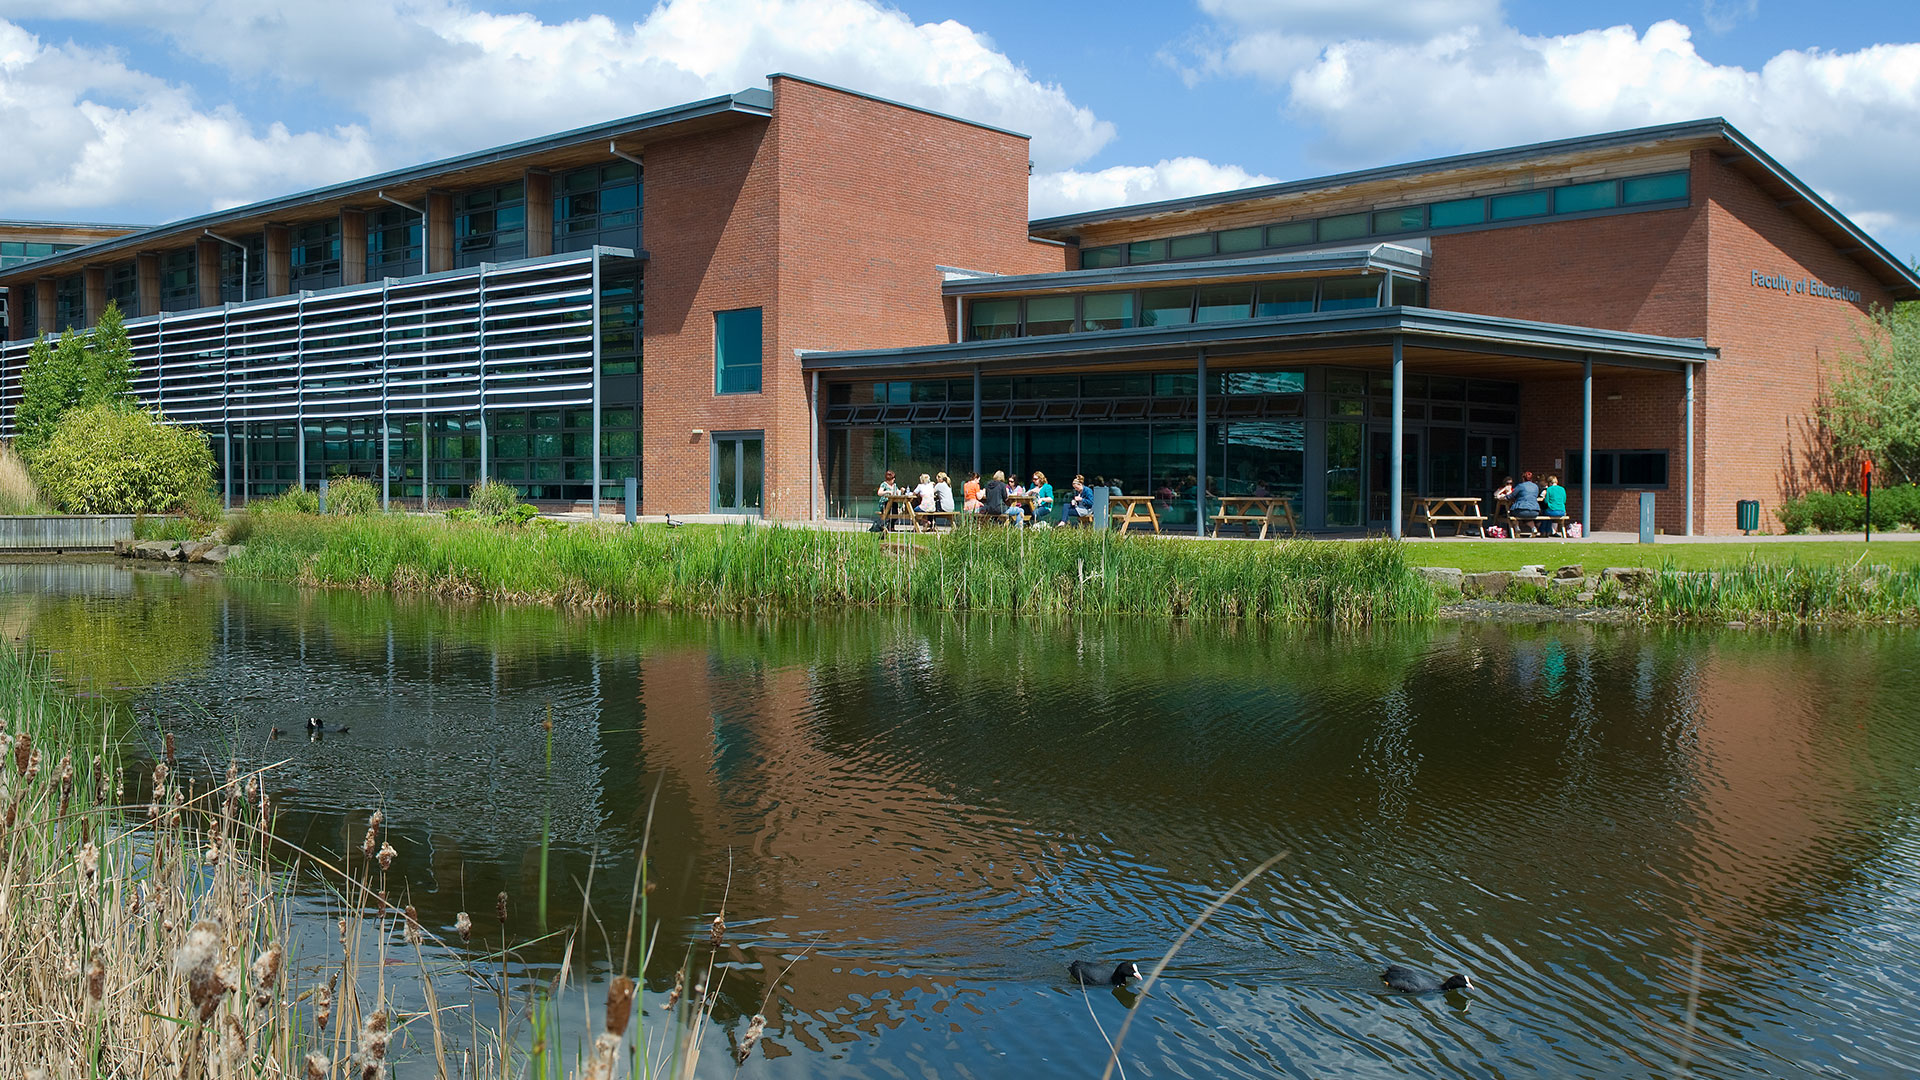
{"x":1513,"y":554}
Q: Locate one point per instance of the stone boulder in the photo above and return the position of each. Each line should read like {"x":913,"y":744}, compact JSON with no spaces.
{"x":196,"y":551}
{"x":1628,"y":577}
{"x":1444,"y":576}
{"x":217,"y":555}
{"x":1569,"y":573}
{"x":1488,"y":583}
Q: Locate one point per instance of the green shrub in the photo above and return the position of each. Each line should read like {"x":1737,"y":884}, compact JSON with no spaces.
{"x":1846,"y":511}
{"x":491,"y":498}
{"x":290,"y":501}
{"x":108,"y":459}
{"x":352,"y":495}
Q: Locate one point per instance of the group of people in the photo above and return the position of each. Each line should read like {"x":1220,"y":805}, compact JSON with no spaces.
{"x":997,"y":499}
{"x":1527,"y":502}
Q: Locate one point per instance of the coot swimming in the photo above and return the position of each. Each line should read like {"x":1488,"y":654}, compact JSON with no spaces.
{"x":1087,"y":975}
{"x":1408,"y":981}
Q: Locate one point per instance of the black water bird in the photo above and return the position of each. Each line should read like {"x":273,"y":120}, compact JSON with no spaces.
{"x":1087,"y":975}
{"x":316,"y":726}
{"x":1405,"y":980}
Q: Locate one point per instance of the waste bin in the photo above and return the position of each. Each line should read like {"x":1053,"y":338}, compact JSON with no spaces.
{"x":1749,"y":514}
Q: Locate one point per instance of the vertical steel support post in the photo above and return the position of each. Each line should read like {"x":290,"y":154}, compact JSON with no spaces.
{"x":594,"y":313}
{"x":976,"y":419}
{"x":386,"y":431}
{"x":423,"y":450}
{"x":1200,"y":444}
{"x":300,"y":389}
{"x":1689,"y":369}
{"x":1586,"y":446}
{"x":226,"y":395}
{"x":1396,"y":462}
{"x":480,"y":327}
{"x":226,"y":448}
{"x":814,"y":475}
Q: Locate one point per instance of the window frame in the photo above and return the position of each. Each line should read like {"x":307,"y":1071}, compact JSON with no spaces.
{"x":720,"y":350}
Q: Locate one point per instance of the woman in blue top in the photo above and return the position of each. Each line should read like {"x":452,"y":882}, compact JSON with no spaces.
{"x":1526,"y":503}
{"x":1042,"y":493}
{"x":1553,"y":500}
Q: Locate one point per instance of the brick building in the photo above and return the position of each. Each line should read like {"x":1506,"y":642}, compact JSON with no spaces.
{"x":760,"y":302}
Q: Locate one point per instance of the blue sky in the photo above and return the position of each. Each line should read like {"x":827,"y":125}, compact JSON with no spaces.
{"x":144,"y":110}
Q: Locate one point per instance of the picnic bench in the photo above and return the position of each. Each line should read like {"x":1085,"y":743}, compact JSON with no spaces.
{"x":1136,"y":508}
{"x":898,"y":509}
{"x":1248,"y":509}
{"x":1460,"y":510}
{"x":1553,"y":524}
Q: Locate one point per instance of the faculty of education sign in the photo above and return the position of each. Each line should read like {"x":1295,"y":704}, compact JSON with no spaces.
{"x":1805,"y":286}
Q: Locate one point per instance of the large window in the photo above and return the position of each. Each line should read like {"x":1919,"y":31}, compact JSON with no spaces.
{"x":393,"y":243}
{"x":490,"y":225}
{"x":1009,"y":317}
{"x":620,"y":323}
{"x":736,"y":351}
{"x":315,"y":258}
{"x":180,"y":280}
{"x":597,"y":205}
{"x":254,"y":260}
{"x":1643,"y":470}
{"x":123,"y":288}
{"x":69,"y":303}
{"x":15,"y":252}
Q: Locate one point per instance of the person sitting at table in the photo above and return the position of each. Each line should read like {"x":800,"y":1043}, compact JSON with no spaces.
{"x":1261,"y":490}
{"x":1526,"y":504}
{"x":971,"y":491}
{"x":887,"y":489}
{"x":942,"y":494}
{"x":993,"y":499}
{"x":1503,"y":496}
{"x":923,"y":494}
{"x":1079,"y":506}
{"x":1042,"y":498}
{"x":1113,"y":487}
{"x":1553,"y":499}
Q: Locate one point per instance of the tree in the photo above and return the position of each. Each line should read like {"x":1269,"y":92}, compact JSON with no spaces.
{"x":1872,"y":408}
{"x":48,"y":388}
{"x":107,"y":375}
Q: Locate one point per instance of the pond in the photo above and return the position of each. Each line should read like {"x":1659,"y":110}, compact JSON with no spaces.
{"x":1657,"y":852}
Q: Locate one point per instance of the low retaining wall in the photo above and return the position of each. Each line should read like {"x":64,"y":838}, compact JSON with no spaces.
{"x":63,"y":532}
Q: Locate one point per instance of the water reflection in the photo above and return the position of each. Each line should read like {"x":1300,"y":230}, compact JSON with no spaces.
{"x":927,"y":817}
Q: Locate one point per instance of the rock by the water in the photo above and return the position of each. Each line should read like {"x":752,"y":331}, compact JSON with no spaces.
{"x":1441,"y":575}
{"x":1488,"y":583}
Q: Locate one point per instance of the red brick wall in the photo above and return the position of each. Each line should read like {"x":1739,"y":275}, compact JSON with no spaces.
{"x":1775,"y":347}
{"x":832,"y":219}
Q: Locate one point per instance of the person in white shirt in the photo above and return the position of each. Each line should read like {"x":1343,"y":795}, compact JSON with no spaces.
{"x":942,"y":493}
{"x":923,"y":494}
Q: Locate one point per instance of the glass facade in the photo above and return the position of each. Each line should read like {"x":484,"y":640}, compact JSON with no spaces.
{"x":180,"y":280}
{"x":15,"y":252}
{"x":393,"y":243}
{"x":490,"y":225}
{"x":1065,"y":313}
{"x":123,"y":288}
{"x":1299,"y":433}
{"x":69,"y":303}
{"x":315,"y":256}
{"x":1657,"y":191}
{"x":254,"y":262}
{"x":598,"y":205}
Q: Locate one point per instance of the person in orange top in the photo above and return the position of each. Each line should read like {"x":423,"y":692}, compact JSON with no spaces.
{"x":972,"y":492}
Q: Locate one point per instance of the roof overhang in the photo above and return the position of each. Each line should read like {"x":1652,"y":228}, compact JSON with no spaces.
{"x":499,"y":164}
{"x":1374,"y":259}
{"x":1361,"y":334}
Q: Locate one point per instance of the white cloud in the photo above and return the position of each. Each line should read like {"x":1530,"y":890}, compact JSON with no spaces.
{"x":1071,"y":191}
{"x":83,"y":130}
{"x":1848,"y":123}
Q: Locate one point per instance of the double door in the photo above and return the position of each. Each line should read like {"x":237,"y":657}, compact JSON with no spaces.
{"x":1488,"y":459}
{"x":738,"y":462}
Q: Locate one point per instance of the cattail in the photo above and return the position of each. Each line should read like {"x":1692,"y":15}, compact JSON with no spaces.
{"x":679,"y":983}
{"x":96,"y":979}
{"x":170,"y":758}
{"x":33,"y":764}
{"x":386,"y":856}
{"x":266,"y":969}
{"x":500,"y":910}
{"x":619,"y":1005}
{"x":718,"y":931}
{"x":373,"y":831}
{"x":22,"y":752}
{"x":253,"y":787}
{"x":463,"y":925}
{"x":317,"y":1066}
{"x":373,"y":1046}
{"x":323,"y":1008}
{"x":198,"y":960}
{"x":66,"y":782}
{"x":754,"y":1030}
{"x":88,"y":860}
{"x":413,"y":927}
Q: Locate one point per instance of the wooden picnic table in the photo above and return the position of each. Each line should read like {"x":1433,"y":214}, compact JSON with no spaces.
{"x":899,"y":509}
{"x":1134,"y":505}
{"x":1247,"y":509}
{"x":1460,"y":509}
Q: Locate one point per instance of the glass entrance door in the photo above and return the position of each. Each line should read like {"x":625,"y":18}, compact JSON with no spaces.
{"x":1489,"y":461}
{"x":737,"y":457}
{"x":1380,"y":472}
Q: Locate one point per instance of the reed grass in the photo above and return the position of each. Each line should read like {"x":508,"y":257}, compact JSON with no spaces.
{"x":777,"y":569}
{"x":18,"y":493}
{"x":1787,"y":593}
{"x":149,"y":934}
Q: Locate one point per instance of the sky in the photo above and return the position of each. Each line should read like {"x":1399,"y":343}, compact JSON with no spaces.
{"x":142,"y":111}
